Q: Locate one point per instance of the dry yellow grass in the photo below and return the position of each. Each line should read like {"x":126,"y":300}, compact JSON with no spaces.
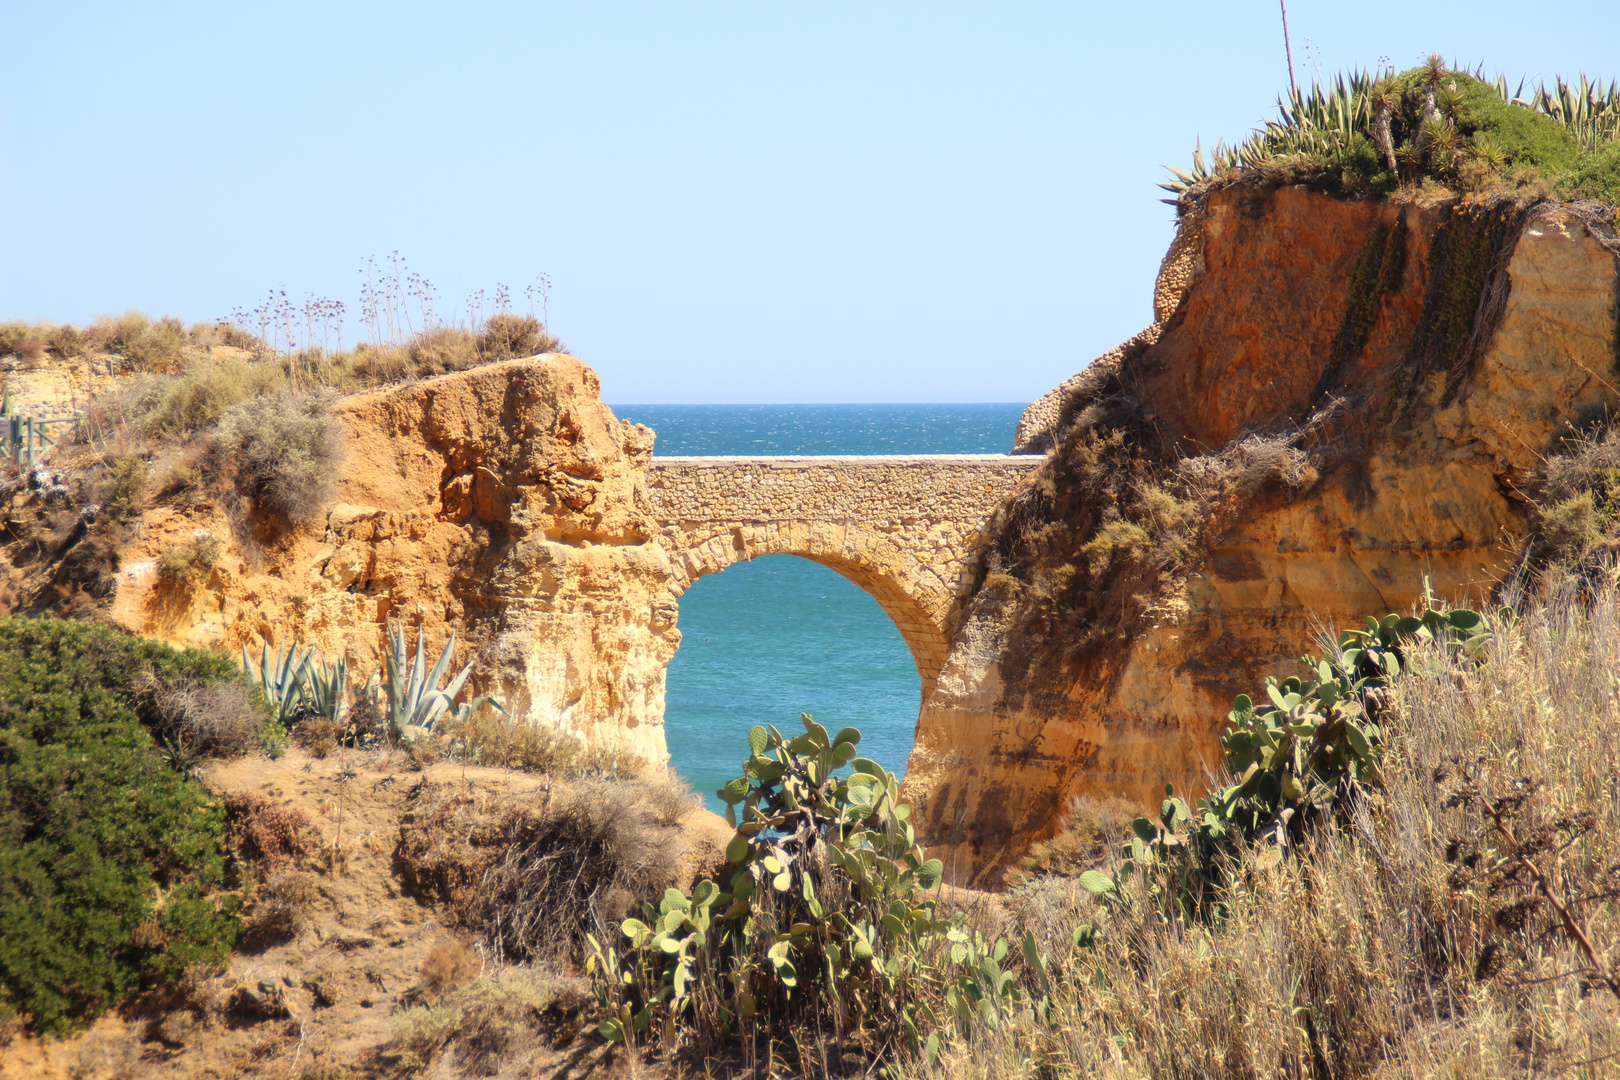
{"x":1411,"y":944}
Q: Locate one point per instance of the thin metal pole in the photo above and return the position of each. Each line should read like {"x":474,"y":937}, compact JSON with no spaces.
{"x":1288,"y":50}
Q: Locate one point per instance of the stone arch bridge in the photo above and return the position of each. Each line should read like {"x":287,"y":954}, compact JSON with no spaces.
{"x":907,"y":529}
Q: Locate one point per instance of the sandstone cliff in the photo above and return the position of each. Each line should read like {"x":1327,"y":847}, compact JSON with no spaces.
{"x":1343,"y":398}
{"x":504,"y":504}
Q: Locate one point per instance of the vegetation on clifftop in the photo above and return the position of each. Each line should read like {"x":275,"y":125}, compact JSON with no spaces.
{"x":1376,"y":132}
{"x":211,"y":415}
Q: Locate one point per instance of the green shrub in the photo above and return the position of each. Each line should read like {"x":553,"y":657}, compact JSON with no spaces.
{"x":109,"y":859}
{"x":280,"y":452}
{"x":22,"y":340}
{"x":175,"y":406}
{"x":145,"y":345}
{"x":189,"y":565}
{"x":1522,"y":135}
{"x":123,"y":493}
{"x":506,"y":337}
{"x":1366,"y":132}
{"x":1597,"y":177}
{"x":1579,"y":500}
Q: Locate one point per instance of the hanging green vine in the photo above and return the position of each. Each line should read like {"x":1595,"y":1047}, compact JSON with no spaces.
{"x":1376,"y":274}
{"x":1463,"y":302}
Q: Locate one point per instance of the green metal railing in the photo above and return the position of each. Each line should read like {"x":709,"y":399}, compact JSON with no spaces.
{"x":24,"y":438}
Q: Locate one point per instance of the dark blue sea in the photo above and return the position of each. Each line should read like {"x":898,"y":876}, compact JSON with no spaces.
{"x":766,"y":640}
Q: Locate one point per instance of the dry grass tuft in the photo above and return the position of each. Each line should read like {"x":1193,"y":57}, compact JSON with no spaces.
{"x":220,"y":720}
{"x":282,"y":907}
{"x":489,"y":1026}
{"x":487,"y":737}
{"x":447,"y":966}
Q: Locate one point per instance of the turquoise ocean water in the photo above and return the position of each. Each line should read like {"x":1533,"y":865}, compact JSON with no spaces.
{"x":765,"y":640}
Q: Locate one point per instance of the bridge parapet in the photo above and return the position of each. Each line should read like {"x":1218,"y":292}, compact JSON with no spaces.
{"x":906,"y":528}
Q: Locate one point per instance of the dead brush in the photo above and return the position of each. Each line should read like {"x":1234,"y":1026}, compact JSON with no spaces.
{"x":580,"y":866}
{"x":221,"y":720}
{"x":447,"y":839}
{"x":266,"y":834}
{"x":282,"y":907}
{"x":534,"y":880}
{"x":1090,"y":831}
{"x":319,"y":734}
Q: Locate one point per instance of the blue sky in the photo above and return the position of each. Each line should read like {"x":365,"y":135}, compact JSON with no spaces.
{"x":756,"y":202}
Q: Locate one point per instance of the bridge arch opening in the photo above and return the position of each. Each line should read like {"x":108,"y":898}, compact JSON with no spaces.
{"x":767,"y":638}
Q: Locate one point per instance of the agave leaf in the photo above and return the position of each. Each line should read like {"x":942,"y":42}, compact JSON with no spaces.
{"x":443,"y":663}
{"x":417,"y":670}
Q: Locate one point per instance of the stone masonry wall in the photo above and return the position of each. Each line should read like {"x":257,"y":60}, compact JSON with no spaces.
{"x":907,"y":529}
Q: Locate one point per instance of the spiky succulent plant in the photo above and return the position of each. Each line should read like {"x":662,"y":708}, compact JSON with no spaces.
{"x":415,"y":704}
{"x":282,"y":677}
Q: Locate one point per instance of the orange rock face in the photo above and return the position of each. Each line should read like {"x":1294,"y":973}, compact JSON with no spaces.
{"x":1350,"y":472}
{"x":504,"y":504}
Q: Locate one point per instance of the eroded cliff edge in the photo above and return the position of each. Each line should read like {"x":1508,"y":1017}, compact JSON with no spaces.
{"x":504,"y":504}
{"x":1341,"y":399}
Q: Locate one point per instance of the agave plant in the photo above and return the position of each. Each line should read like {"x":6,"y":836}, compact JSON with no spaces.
{"x":1588,"y":110}
{"x":284,"y":678}
{"x":327,"y":687}
{"x":415,"y":704}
